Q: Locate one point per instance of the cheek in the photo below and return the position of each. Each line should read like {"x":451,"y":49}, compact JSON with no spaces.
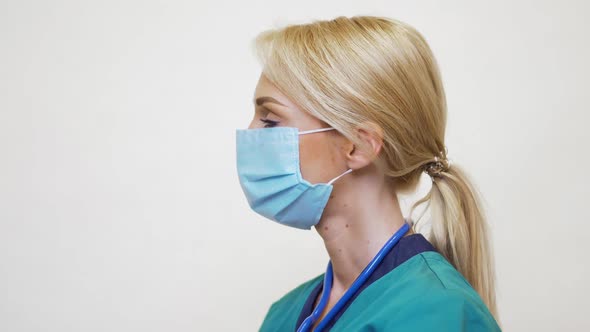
{"x":318,"y":159}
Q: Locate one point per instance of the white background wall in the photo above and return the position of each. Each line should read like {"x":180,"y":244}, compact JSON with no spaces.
{"x":120,"y":208}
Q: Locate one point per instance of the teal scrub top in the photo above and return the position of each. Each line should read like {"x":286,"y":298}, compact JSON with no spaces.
{"x":424,"y":293}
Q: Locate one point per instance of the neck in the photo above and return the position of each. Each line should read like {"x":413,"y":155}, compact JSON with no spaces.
{"x":357,"y":222}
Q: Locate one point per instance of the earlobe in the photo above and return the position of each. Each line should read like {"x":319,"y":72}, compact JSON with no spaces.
{"x":350,"y":153}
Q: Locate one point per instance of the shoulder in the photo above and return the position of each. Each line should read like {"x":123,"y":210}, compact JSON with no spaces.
{"x":283,"y":313}
{"x":425,"y":293}
{"x":437,"y":297}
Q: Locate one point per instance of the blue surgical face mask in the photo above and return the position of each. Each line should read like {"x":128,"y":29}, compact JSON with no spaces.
{"x":270,"y":176}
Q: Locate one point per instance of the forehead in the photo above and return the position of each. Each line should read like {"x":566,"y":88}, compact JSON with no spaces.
{"x":265,"y":88}
{"x":289,"y":110}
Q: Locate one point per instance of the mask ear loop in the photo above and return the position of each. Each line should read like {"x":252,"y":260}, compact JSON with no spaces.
{"x":339,"y":176}
{"x":320,"y":130}
{"x":315,"y":130}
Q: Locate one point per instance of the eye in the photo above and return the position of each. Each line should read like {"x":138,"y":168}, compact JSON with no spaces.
{"x":269,"y":123}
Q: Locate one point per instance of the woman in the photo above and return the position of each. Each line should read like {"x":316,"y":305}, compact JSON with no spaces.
{"x":349,"y":113}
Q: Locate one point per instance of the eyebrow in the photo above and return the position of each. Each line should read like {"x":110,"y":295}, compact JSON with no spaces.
{"x":261,"y":100}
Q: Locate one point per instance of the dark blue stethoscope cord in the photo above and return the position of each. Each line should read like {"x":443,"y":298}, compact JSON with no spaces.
{"x":359,"y":281}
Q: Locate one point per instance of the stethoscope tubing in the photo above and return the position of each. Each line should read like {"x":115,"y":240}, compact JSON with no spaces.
{"x":356,"y":285}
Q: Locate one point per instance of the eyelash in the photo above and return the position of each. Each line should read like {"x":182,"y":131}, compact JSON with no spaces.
{"x":269,"y":123}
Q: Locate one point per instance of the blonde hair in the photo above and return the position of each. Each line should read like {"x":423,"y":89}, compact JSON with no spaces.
{"x":352,"y":70}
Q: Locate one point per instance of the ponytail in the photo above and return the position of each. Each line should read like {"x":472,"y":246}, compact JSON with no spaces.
{"x":460,"y":231}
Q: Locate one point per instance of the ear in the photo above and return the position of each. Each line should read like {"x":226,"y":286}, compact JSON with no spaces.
{"x":370,"y":136}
